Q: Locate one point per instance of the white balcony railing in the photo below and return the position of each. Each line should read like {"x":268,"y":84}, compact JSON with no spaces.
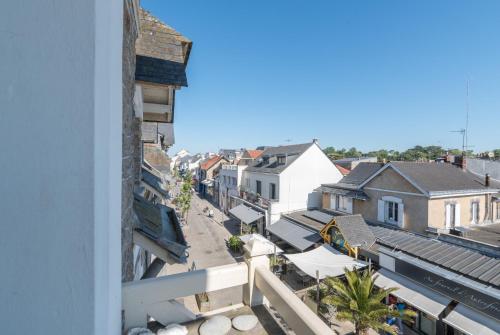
{"x":155,"y":297}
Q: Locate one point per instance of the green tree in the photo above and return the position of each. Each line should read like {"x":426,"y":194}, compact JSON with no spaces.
{"x":358,"y":300}
{"x":496,"y":152}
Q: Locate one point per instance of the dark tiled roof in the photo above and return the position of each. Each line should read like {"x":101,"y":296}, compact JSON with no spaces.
{"x":153,"y":180}
{"x":355,"y":230}
{"x":160,"y":71}
{"x":357,"y":176}
{"x":440,"y":177}
{"x":306,"y":219}
{"x":268,"y":162}
{"x":160,"y":224}
{"x":451,"y":257}
{"x":159,"y":40}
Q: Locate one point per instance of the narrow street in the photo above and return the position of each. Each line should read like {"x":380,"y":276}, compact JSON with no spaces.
{"x":207,"y":240}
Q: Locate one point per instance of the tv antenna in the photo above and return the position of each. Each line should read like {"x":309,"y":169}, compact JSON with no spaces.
{"x":465,"y":131}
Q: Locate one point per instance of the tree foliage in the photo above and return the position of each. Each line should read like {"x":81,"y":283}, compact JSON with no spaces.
{"x":358,"y":300}
{"x":417,"y":153}
{"x":183,"y":199}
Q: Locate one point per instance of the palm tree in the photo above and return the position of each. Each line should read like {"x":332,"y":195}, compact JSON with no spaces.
{"x":358,"y":300}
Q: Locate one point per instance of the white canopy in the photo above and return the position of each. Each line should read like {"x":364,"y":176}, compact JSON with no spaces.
{"x":268,"y":244}
{"x":328,"y":261}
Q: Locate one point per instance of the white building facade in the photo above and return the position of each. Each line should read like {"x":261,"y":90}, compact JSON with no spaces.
{"x":285,"y":179}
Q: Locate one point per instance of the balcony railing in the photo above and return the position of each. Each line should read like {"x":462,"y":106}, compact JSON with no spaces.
{"x":156,"y":297}
{"x":230,"y":167}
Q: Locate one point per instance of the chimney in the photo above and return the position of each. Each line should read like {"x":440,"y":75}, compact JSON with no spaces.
{"x":463,"y":164}
{"x":315,"y":141}
{"x":487,"y":180}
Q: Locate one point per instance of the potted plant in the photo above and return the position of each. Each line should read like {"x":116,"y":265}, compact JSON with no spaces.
{"x":235,"y":244}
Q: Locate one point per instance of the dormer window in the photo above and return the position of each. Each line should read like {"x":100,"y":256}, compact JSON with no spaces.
{"x":265,"y":160}
{"x":281,"y":160}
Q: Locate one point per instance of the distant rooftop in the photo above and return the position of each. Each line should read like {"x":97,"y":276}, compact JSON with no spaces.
{"x":268,"y":161}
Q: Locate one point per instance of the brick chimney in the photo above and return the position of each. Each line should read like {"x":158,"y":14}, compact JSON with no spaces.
{"x":463,"y":163}
{"x":487,"y":180}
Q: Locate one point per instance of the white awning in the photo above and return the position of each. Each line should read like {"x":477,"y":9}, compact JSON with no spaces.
{"x":245,"y":214}
{"x":208,"y":182}
{"x":426,"y":300}
{"x":471,"y":322}
{"x":328,"y":261}
{"x":269,"y":245}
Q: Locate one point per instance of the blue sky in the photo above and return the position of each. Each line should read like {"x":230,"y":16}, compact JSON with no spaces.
{"x":369,"y":74}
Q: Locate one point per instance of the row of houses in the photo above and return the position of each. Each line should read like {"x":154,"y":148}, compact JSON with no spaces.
{"x":431,"y":229}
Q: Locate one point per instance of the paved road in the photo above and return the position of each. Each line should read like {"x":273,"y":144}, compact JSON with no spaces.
{"x":207,"y":239}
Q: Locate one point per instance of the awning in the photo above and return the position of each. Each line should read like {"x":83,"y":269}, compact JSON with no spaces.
{"x":325,"y":259}
{"x":426,"y":300}
{"x":471,"y":322}
{"x":208,"y":182}
{"x":271,"y":247}
{"x":245,"y":214}
{"x":294,"y":234}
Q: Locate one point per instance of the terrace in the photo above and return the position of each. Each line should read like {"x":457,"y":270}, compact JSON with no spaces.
{"x":158,"y":298}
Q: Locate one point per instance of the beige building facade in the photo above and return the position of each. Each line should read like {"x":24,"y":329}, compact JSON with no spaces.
{"x":390,"y":197}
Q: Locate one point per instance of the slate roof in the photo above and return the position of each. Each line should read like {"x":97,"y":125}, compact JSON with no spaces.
{"x":159,"y":40}
{"x":159,"y":71}
{"x":355,"y":230}
{"x":307,"y":219}
{"x":153,"y":180}
{"x":357,"y":176}
{"x":162,"y":53}
{"x":440,"y":178}
{"x":449,"y":256}
{"x":268,"y":163}
{"x":160,"y":224}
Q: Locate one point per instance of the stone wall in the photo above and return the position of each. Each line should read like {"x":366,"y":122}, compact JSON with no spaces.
{"x":131,"y":164}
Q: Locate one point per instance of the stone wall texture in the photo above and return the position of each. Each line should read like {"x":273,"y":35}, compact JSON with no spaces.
{"x":131,"y":148}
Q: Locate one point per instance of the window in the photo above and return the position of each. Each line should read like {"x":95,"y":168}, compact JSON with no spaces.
{"x":234,"y":181}
{"x":498,"y":210}
{"x":248,"y":182}
{"x":258,"y":185}
{"x":392,"y":212}
{"x":281,"y":160}
{"x":272,"y":191}
{"x":341,"y":203}
{"x":452,"y":215}
{"x":475,"y":212}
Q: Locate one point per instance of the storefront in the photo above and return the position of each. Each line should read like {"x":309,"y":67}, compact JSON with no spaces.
{"x":428,"y":304}
{"x":445,"y":302}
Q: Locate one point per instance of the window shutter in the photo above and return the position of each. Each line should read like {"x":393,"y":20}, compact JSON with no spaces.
{"x":457,"y":215}
{"x":381,"y":210}
{"x":401,"y":213}
{"x":448,"y":215}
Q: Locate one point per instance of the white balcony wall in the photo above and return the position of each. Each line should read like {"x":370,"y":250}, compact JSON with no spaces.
{"x":60,"y":138}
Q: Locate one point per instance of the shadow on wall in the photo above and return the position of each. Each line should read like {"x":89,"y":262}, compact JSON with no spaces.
{"x":314,"y":199}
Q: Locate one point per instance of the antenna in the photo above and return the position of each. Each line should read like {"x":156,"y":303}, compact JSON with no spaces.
{"x":465,"y":131}
{"x":466,"y":139}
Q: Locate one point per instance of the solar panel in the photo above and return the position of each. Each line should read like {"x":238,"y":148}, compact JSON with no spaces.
{"x":319,"y":216}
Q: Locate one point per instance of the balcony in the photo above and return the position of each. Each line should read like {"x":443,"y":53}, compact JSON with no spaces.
{"x":232,"y":167}
{"x":156,"y":298}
